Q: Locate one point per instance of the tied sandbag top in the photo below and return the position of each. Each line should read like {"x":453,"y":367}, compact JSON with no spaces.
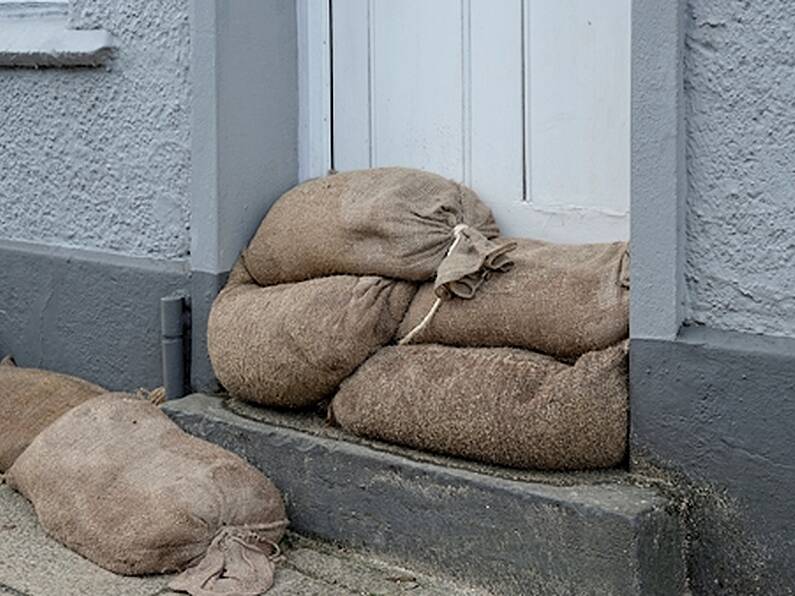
{"x":562,"y":300}
{"x":468,"y":263}
{"x":392,"y":222}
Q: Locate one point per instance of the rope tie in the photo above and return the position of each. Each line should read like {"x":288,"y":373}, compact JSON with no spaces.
{"x":457,"y":234}
{"x":250,"y":535}
{"x":235,"y":562}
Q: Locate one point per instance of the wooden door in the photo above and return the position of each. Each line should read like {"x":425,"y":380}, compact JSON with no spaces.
{"x":527,"y":101}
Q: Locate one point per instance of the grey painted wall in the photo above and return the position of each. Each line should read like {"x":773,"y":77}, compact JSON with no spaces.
{"x":657,"y":169}
{"x":713,"y":403}
{"x":91,"y":314}
{"x":740,"y":83}
{"x":99,"y":158}
{"x":94,"y":198}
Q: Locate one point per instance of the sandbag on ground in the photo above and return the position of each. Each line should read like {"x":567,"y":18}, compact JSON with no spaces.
{"x":495,"y":405}
{"x":292,"y":344}
{"x":562,"y":300}
{"x":391,"y":222}
{"x":30,"y":400}
{"x":117,"y":481}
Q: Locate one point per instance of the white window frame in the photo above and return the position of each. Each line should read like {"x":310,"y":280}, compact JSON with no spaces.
{"x":34,"y":8}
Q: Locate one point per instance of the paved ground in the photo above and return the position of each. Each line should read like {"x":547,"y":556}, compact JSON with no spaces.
{"x":31,"y":564}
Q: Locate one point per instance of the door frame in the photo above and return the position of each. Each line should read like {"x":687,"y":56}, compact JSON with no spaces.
{"x":658,"y":172}
{"x":315,"y":149}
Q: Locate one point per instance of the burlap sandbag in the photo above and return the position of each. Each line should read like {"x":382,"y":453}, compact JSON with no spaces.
{"x":291,"y":345}
{"x":30,"y":400}
{"x":562,"y":300}
{"x":392,"y":222}
{"x":117,"y":481}
{"x":496,"y":405}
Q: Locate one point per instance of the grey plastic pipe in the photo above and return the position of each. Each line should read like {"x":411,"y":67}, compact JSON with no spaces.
{"x":172,"y":340}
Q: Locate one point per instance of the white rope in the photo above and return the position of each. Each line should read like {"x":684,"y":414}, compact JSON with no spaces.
{"x":457,"y":233}
{"x":422,"y":324}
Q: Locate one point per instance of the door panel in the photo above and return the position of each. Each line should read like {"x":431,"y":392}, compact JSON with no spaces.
{"x":495,"y":121}
{"x":417,"y":88}
{"x":579,"y":103}
{"x":351,"y":73}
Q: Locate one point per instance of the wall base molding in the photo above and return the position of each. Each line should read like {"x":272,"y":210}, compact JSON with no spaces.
{"x":88,"y":313}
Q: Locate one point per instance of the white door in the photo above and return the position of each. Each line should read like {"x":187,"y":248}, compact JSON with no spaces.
{"x":527,"y":101}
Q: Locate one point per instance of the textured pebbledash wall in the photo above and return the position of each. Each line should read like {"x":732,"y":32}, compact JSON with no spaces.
{"x":740,"y":84}
{"x":99,"y":158}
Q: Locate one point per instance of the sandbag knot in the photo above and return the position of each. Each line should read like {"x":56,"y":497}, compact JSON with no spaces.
{"x":235,"y":564}
{"x":469,"y":262}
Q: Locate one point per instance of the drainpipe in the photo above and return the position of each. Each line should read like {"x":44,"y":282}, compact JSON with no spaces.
{"x":172,"y":327}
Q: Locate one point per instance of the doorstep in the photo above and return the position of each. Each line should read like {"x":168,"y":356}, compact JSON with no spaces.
{"x":505,"y":531}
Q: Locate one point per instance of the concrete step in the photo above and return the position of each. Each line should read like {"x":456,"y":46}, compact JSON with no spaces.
{"x":506,"y":531}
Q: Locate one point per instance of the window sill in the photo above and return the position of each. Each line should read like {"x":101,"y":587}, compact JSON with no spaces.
{"x":44,"y":39}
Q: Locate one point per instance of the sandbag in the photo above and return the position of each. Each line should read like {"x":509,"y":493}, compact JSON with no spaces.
{"x":117,"y":481}
{"x":30,"y":400}
{"x":495,"y":405}
{"x":291,"y":345}
{"x":563,"y":300}
{"x":392,"y":222}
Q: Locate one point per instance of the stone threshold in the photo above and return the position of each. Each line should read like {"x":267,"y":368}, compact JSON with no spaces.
{"x":596,"y":534}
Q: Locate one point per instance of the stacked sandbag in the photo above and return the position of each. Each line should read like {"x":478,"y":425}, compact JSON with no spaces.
{"x":117,"y":481}
{"x":562,"y":300}
{"x":323,"y":286}
{"x":392,"y":222}
{"x":488,"y":393}
{"x":495,"y":405}
{"x":330,"y":273}
{"x":291,"y":345}
{"x":32,"y":399}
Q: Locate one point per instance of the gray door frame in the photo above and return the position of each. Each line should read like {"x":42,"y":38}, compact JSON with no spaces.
{"x":244,"y":140}
{"x":658,"y":176}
